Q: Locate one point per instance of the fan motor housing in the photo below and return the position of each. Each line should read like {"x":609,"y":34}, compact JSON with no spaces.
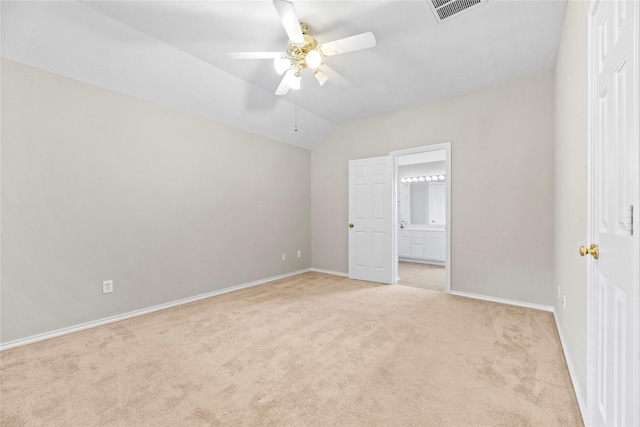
{"x":299,"y":51}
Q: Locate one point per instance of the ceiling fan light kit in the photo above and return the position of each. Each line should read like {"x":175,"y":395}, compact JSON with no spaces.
{"x":293,"y":78}
{"x":282,"y":64}
{"x":304,"y":51}
{"x":300,"y":55}
{"x":313,"y":59}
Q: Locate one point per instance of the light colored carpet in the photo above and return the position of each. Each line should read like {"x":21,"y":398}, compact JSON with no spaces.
{"x":313,"y":349}
{"x":425,"y":276}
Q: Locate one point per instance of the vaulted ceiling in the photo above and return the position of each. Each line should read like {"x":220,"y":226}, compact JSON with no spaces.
{"x":174,"y":53}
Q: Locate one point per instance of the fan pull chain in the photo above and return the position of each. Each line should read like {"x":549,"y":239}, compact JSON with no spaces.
{"x":295,"y":112}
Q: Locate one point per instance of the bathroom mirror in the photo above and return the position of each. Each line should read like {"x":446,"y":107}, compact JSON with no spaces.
{"x":422,"y":194}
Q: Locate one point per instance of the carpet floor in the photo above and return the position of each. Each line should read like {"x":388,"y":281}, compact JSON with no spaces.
{"x":424,"y":276}
{"x":309,"y":350}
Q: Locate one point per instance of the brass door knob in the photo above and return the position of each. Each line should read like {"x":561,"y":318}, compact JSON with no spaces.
{"x":351,"y":225}
{"x":593,"y":250}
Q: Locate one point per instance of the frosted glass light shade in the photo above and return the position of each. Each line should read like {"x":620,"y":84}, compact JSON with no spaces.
{"x":293,"y":80}
{"x":281,"y":65}
{"x":313,"y":59}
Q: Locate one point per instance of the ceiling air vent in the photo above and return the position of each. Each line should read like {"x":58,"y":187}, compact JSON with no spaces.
{"x":445,"y":9}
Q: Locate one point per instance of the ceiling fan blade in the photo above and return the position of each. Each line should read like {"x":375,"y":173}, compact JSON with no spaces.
{"x":334,"y":77}
{"x":349,"y":44}
{"x":321,"y":76}
{"x":290,"y":20}
{"x":283,"y":87}
{"x":255,"y":55}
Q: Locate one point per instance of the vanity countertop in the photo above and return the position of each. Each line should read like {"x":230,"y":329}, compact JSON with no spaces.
{"x":423,"y":228}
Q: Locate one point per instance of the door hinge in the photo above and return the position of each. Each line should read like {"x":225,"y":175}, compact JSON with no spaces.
{"x":628,"y":219}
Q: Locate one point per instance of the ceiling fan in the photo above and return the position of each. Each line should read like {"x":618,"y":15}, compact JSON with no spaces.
{"x":303,"y":51}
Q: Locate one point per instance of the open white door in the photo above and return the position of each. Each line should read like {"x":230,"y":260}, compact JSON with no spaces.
{"x":370,"y":220}
{"x":614,"y":288}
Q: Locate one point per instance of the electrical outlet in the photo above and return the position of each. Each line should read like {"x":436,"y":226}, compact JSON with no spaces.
{"x":107,"y":286}
{"x":299,"y":253}
{"x":284,"y":256}
{"x":559,"y":292}
{"x":564,"y":302}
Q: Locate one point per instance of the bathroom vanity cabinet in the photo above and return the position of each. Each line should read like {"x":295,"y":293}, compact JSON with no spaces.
{"x":426,"y":245}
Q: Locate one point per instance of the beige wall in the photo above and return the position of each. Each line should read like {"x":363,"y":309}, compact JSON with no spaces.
{"x":97,"y":185}
{"x":571,"y":188}
{"x":502,"y":184}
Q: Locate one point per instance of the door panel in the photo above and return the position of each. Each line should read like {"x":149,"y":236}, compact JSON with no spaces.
{"x":380,"y":200}
{"x":378,"y":251}
{"x":417,"y":247}
{"x":360,"y":241}
{"x":435,"y":248}
{"x":360,"y":204}
{"x":404,"y":245}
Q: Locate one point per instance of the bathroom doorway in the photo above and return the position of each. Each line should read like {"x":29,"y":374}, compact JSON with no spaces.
{"x":422,"y":217}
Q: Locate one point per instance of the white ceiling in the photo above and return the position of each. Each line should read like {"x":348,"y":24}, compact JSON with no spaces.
{"x":174,"y":53}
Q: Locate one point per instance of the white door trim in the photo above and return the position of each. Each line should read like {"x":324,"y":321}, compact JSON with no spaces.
{"x":591,"y":347}
{"x":394,"y":155}
{"x":591,"y":226}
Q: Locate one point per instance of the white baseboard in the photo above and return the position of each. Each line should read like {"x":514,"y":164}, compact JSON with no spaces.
{"x":116,"y":318}
{"x":504,"y":301}
{"x":335,"y":273}
{"x":572,"y":373}
{"x":107,"y":320}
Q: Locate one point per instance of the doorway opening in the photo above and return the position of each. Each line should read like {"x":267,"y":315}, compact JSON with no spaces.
{"x":422,"y":217}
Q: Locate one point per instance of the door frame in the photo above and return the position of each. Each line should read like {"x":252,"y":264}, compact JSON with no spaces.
{"x":592,"y":231}
{"x":446,"y":146}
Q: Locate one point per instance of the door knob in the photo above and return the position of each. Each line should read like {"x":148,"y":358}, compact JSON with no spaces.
{"x":593,"y":250}
{"x":351,"y":225}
